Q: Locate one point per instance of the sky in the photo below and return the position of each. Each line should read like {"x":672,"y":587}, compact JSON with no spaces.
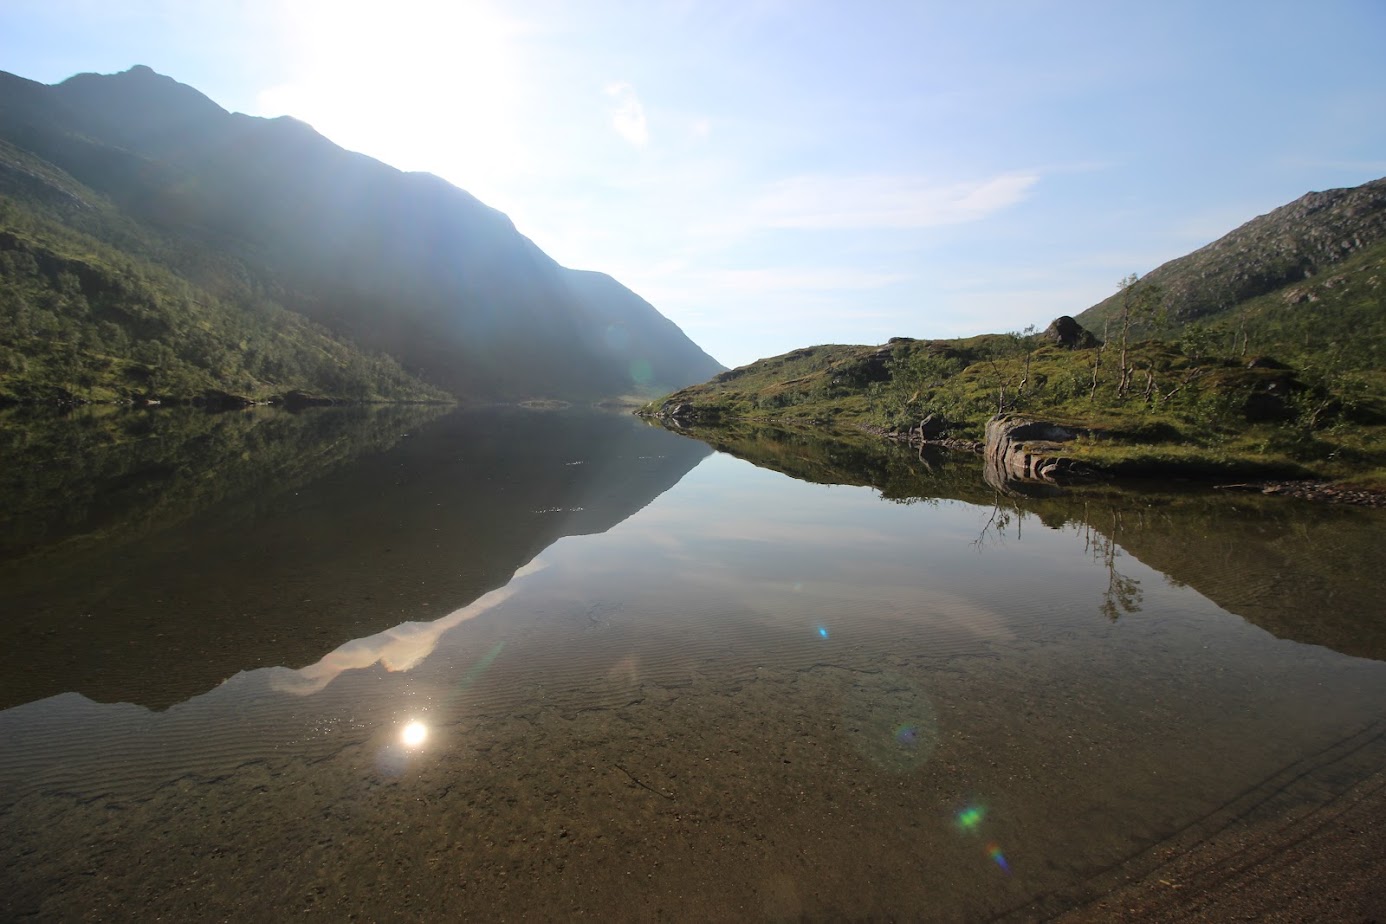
{"x":773,"y":174}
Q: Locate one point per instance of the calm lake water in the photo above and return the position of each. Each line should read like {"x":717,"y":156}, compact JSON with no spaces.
{"x":399,"y":663}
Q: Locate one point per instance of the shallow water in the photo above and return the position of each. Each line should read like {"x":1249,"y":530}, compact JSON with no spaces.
{"x":709,"y":691}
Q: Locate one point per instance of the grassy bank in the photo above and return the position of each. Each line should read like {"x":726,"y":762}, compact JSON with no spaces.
{"x":1158,"y":406}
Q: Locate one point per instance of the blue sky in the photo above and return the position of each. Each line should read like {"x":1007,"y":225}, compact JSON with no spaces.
{"x":776,"y":174}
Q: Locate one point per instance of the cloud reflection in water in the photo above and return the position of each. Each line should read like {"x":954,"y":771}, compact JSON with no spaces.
{"x":398,"y":649}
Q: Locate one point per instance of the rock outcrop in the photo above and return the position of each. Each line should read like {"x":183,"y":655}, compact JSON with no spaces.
{"x":1020,"y":449}
{"x":1067,"y":332}
{"x":680,"y":413}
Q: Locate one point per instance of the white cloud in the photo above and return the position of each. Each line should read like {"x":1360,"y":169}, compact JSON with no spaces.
{"x":865,"y":202}
{"x":628,"y":118}
{"x":799,"y":279}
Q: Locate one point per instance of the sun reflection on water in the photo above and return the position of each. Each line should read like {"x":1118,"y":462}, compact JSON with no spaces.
{"x":414,"y":734}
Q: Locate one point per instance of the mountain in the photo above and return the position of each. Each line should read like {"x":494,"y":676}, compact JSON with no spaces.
{"x":1279,"y":250}
{"x":398,"y":265}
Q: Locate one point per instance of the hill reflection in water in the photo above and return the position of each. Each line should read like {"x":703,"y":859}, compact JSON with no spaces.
{"x":755,"y":697}
{"x":157,"y":555}
{"x":1304,"y":572}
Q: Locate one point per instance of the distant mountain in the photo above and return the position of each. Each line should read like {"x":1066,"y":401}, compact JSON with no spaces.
{"x":253,"y":211}
{"x":1283,"y":248}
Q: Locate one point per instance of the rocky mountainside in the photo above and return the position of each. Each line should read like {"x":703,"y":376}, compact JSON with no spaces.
{"x":256,"y":210}
{"x":1285,"y":246}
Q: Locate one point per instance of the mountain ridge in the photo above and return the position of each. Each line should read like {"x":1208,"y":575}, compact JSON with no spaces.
{"x":401,"y":264}
{"x":1291,"y":243}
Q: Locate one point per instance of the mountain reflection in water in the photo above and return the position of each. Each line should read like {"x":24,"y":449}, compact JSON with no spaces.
{"x":158,"y":567}
{"x":748,"y":696}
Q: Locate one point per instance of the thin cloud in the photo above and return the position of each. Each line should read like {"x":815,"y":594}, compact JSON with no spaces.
{"x":628,"y":118}
{"x":796,"y":279}
{"x":899,"y":202}
{"x":1377,"y":167}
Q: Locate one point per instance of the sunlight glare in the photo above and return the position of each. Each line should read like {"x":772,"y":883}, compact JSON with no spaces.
{"x":414,"y":734}
{"x":422,"y":85}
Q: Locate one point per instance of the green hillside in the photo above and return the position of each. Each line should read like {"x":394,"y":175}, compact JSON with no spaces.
{"x":81,"y":320}
{"x":1289,"y":380}
{"x":1298,"y":242}
{"x":1336,"y":317}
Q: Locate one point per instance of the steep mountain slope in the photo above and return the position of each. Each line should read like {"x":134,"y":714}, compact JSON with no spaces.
{"x":1286,"y":246}
{"x":401,"y":263}
{"x":1337,"y":317}
{"x":81,"y":320}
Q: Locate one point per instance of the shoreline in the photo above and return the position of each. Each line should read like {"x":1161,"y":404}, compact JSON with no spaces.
{"x":1309,"y":488}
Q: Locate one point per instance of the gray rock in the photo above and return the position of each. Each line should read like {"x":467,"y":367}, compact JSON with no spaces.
{"x":1067,"y":332}
{"x":933,"y":427}
{"x":1020,"y":449}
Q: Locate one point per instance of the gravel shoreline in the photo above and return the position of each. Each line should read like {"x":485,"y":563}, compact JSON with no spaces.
{"x":1327,"y":865}
{"x":1322,"y":491}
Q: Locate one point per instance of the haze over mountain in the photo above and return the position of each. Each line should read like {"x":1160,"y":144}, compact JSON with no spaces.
{"x":251,"y":211}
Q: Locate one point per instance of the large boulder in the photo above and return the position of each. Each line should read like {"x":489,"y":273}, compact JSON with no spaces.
{"x":1067,"y":332}
{"x":933,"y":427}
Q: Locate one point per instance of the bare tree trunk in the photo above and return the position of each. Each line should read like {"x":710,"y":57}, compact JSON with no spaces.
{"x":1124,"y":380}
{"x":1097,"y":363}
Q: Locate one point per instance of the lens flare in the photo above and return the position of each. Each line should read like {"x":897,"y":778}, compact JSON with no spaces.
{"x":617,"y":338}
{"x":822,"y":631}
{"x":414,"y":734}
{"x":889,"y":719}
{"x":970,"y":817}
{"x":995,"y":853}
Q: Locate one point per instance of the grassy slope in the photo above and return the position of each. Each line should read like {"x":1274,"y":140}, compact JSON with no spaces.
{"x":1304,"y":239}
{"x":1337,"y":316}
{"x":1193,"y":405}
{"x":96,"y":307}
{"x":85,"y":320}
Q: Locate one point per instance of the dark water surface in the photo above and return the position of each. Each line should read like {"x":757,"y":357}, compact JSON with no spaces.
{"x":393,"y":663}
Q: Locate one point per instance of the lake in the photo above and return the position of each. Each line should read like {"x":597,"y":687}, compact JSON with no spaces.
{"x":402,"y":663}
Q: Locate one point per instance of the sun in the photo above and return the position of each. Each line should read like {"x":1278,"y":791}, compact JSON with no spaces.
{"x":419,"y":84}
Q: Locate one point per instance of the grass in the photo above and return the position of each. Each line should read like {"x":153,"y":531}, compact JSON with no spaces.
{"x":1182,"y":412}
